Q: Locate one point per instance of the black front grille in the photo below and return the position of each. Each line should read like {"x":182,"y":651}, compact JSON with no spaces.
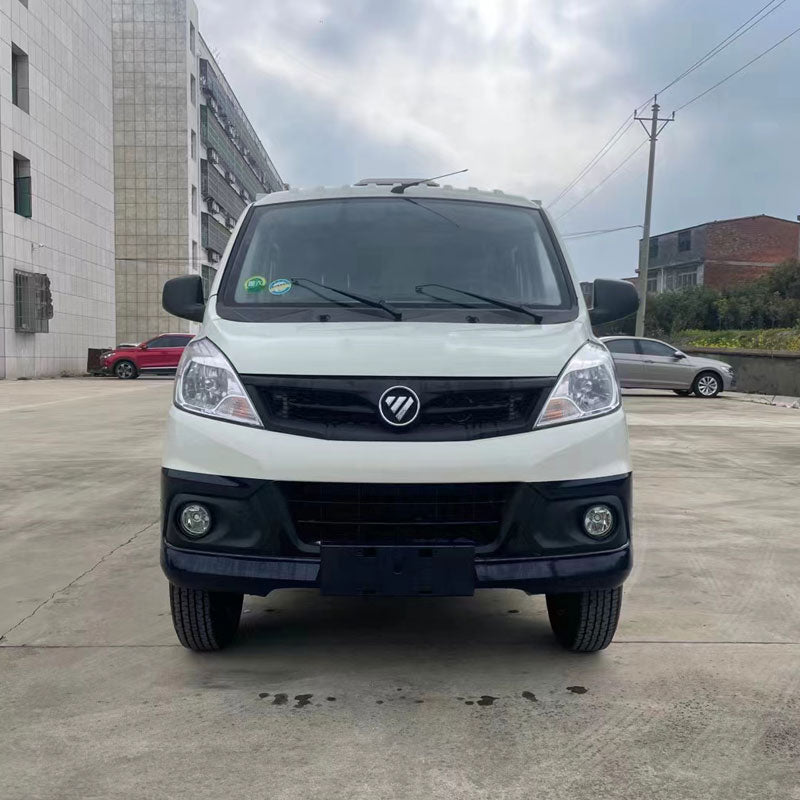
{"x":374,"y":513}
{"x":347,"y":408}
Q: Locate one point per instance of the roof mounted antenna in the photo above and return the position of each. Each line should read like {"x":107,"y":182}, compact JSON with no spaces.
{"x":400,"y":188}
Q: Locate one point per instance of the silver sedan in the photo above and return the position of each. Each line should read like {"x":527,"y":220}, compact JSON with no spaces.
{"x":652,"y":364}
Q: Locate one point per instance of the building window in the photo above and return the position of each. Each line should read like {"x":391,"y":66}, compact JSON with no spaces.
{"x":19,"y":78}
{"x":22,"y":186}
{"x":191,"y":37}
{"x":193,"y":90}
{"x":654,"y":247}
{"x":194,"y":255}
{"x":194,"y":200}
{"x":33,"y":302}
{"x":684,"y":241}
{"x":194,"y":146}
{"x":686,"y":279}
{"x":652,"y":284}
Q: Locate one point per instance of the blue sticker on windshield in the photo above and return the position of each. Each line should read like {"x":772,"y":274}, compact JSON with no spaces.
{"x":280,"y":286}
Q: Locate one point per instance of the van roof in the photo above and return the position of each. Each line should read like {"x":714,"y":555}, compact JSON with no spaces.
{"x":382,"y":187}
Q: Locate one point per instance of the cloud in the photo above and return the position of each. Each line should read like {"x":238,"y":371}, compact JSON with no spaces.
{"x":522,"y":92}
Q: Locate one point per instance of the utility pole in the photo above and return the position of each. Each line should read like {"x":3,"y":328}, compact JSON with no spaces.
{"x":644,"y":251}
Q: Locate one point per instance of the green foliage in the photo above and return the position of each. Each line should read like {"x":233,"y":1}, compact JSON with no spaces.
{"x":773,"y":301}
{"x":772,"y":339}
{"x":747,"y":316}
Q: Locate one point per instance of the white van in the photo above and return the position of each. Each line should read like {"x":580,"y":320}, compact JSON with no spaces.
{"x":396,"y":391}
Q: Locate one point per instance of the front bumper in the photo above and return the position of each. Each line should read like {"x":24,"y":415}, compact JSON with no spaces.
{"x":261,"y":575}
{"x":260,"y":540}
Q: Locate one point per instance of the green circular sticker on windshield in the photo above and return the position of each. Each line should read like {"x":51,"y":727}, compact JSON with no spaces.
{"x":255,"y":284}
{"x":280,"y":286}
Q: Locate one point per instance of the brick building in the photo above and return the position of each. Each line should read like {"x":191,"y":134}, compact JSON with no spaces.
{"x":720,"y":254}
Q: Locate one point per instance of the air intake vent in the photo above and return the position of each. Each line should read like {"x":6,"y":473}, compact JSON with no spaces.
{"x":347,"y":408}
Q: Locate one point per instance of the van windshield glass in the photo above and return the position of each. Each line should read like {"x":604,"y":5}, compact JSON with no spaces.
{"x":384,"y":248}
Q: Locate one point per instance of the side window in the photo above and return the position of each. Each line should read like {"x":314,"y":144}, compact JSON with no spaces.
{"x":161,"y":341}
{"x":622,"y":346}
{"x":651,"y":348}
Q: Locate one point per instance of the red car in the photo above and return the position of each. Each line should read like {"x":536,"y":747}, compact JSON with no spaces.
{"x":159,"y":355}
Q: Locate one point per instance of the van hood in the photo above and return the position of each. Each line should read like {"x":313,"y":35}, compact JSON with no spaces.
{"x":407,"y":349}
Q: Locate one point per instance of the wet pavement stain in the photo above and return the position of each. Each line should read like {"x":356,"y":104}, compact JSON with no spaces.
{"x":577,"y":689}
{"x":379,"y":702}
{"x":262,"y":695}
{"x":280,"y":699}
{"x":469,"y":702}
{"x":331,"y":699}
{"x":513,"y":611}
{"x":529,"y":696}
{"x":303,"y":700}
{"x":487,"y":700}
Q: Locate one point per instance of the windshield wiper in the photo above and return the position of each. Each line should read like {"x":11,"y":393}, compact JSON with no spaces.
{"x":492,"y":300}
{"x":367,"y":301}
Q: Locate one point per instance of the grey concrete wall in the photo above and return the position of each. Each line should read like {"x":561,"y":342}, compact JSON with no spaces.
{"x":151,"y":72}
{"x":760,"y":371}
{"x":66,"y":134}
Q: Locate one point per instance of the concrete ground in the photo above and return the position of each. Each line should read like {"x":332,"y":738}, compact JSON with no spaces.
{"x":698,"y":697}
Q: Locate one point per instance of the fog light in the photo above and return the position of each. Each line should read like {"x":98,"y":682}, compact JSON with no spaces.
{"x":598,"y":521}
{"x":195,"y":520}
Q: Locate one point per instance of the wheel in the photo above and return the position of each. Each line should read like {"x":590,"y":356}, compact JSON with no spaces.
{"x":707,"y":384}
{"x":682,"y":392}
{"x":126,"y":370}
{"x":585,"y":622}
{"x":204,"y":621}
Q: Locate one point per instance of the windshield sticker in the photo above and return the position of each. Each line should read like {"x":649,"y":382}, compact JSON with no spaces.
{"x":280,"y":286}
{"x":255,"y":284}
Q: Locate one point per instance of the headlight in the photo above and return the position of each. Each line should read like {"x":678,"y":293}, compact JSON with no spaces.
{"x":587,"y":388}
{"x":206,"y":383}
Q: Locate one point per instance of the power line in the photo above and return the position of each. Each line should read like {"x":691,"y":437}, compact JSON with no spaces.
{"x":746,"y":26}
{"x":598,"y":232}
{"x":726,"y":42}
{"x":607,"y":177}
{"x":615,"y":137}
{"x":741,"y":69}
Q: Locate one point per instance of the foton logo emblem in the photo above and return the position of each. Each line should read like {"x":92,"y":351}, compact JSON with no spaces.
{"x":399,"y":406}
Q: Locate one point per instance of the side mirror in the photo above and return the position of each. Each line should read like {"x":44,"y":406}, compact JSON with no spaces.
{"x":142,"y":347}
{"x":613,"y":300}
{"x":183,"y":297}
{"x":678,"y":355}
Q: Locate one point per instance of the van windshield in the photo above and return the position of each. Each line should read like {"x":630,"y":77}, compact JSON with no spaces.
{"x":392,"y":250}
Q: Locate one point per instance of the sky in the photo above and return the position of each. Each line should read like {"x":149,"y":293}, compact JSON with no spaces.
{"x":524,"y":93}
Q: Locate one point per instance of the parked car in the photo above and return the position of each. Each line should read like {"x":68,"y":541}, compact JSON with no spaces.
{"x":159,"y":355}
{"x":423,"y":411}
{"x":652,"y":364}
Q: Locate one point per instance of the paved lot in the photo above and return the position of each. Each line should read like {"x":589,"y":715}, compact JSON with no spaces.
{"x":699,"y":697}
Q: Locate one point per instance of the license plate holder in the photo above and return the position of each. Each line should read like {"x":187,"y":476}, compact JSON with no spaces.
{"x":397,"y":571}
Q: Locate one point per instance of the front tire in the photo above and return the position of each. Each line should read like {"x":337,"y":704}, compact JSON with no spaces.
{"x":126,"y":370}
{"x":204,"y":621}
{"x":585,"y":622}
{"x":707,"y":384}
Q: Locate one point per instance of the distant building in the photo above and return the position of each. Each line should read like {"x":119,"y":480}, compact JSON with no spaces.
{"x":186,"y":159}
{"x":56,"y":185}
{"x":720,"y":254}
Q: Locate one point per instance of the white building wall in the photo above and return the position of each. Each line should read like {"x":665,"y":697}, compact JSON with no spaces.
{"x":68,"y":138}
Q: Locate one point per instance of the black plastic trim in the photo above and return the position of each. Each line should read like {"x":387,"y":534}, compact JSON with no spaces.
{"x":258,"y":517}
{"x":260,"y":576}
{"x":368,"y":390}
